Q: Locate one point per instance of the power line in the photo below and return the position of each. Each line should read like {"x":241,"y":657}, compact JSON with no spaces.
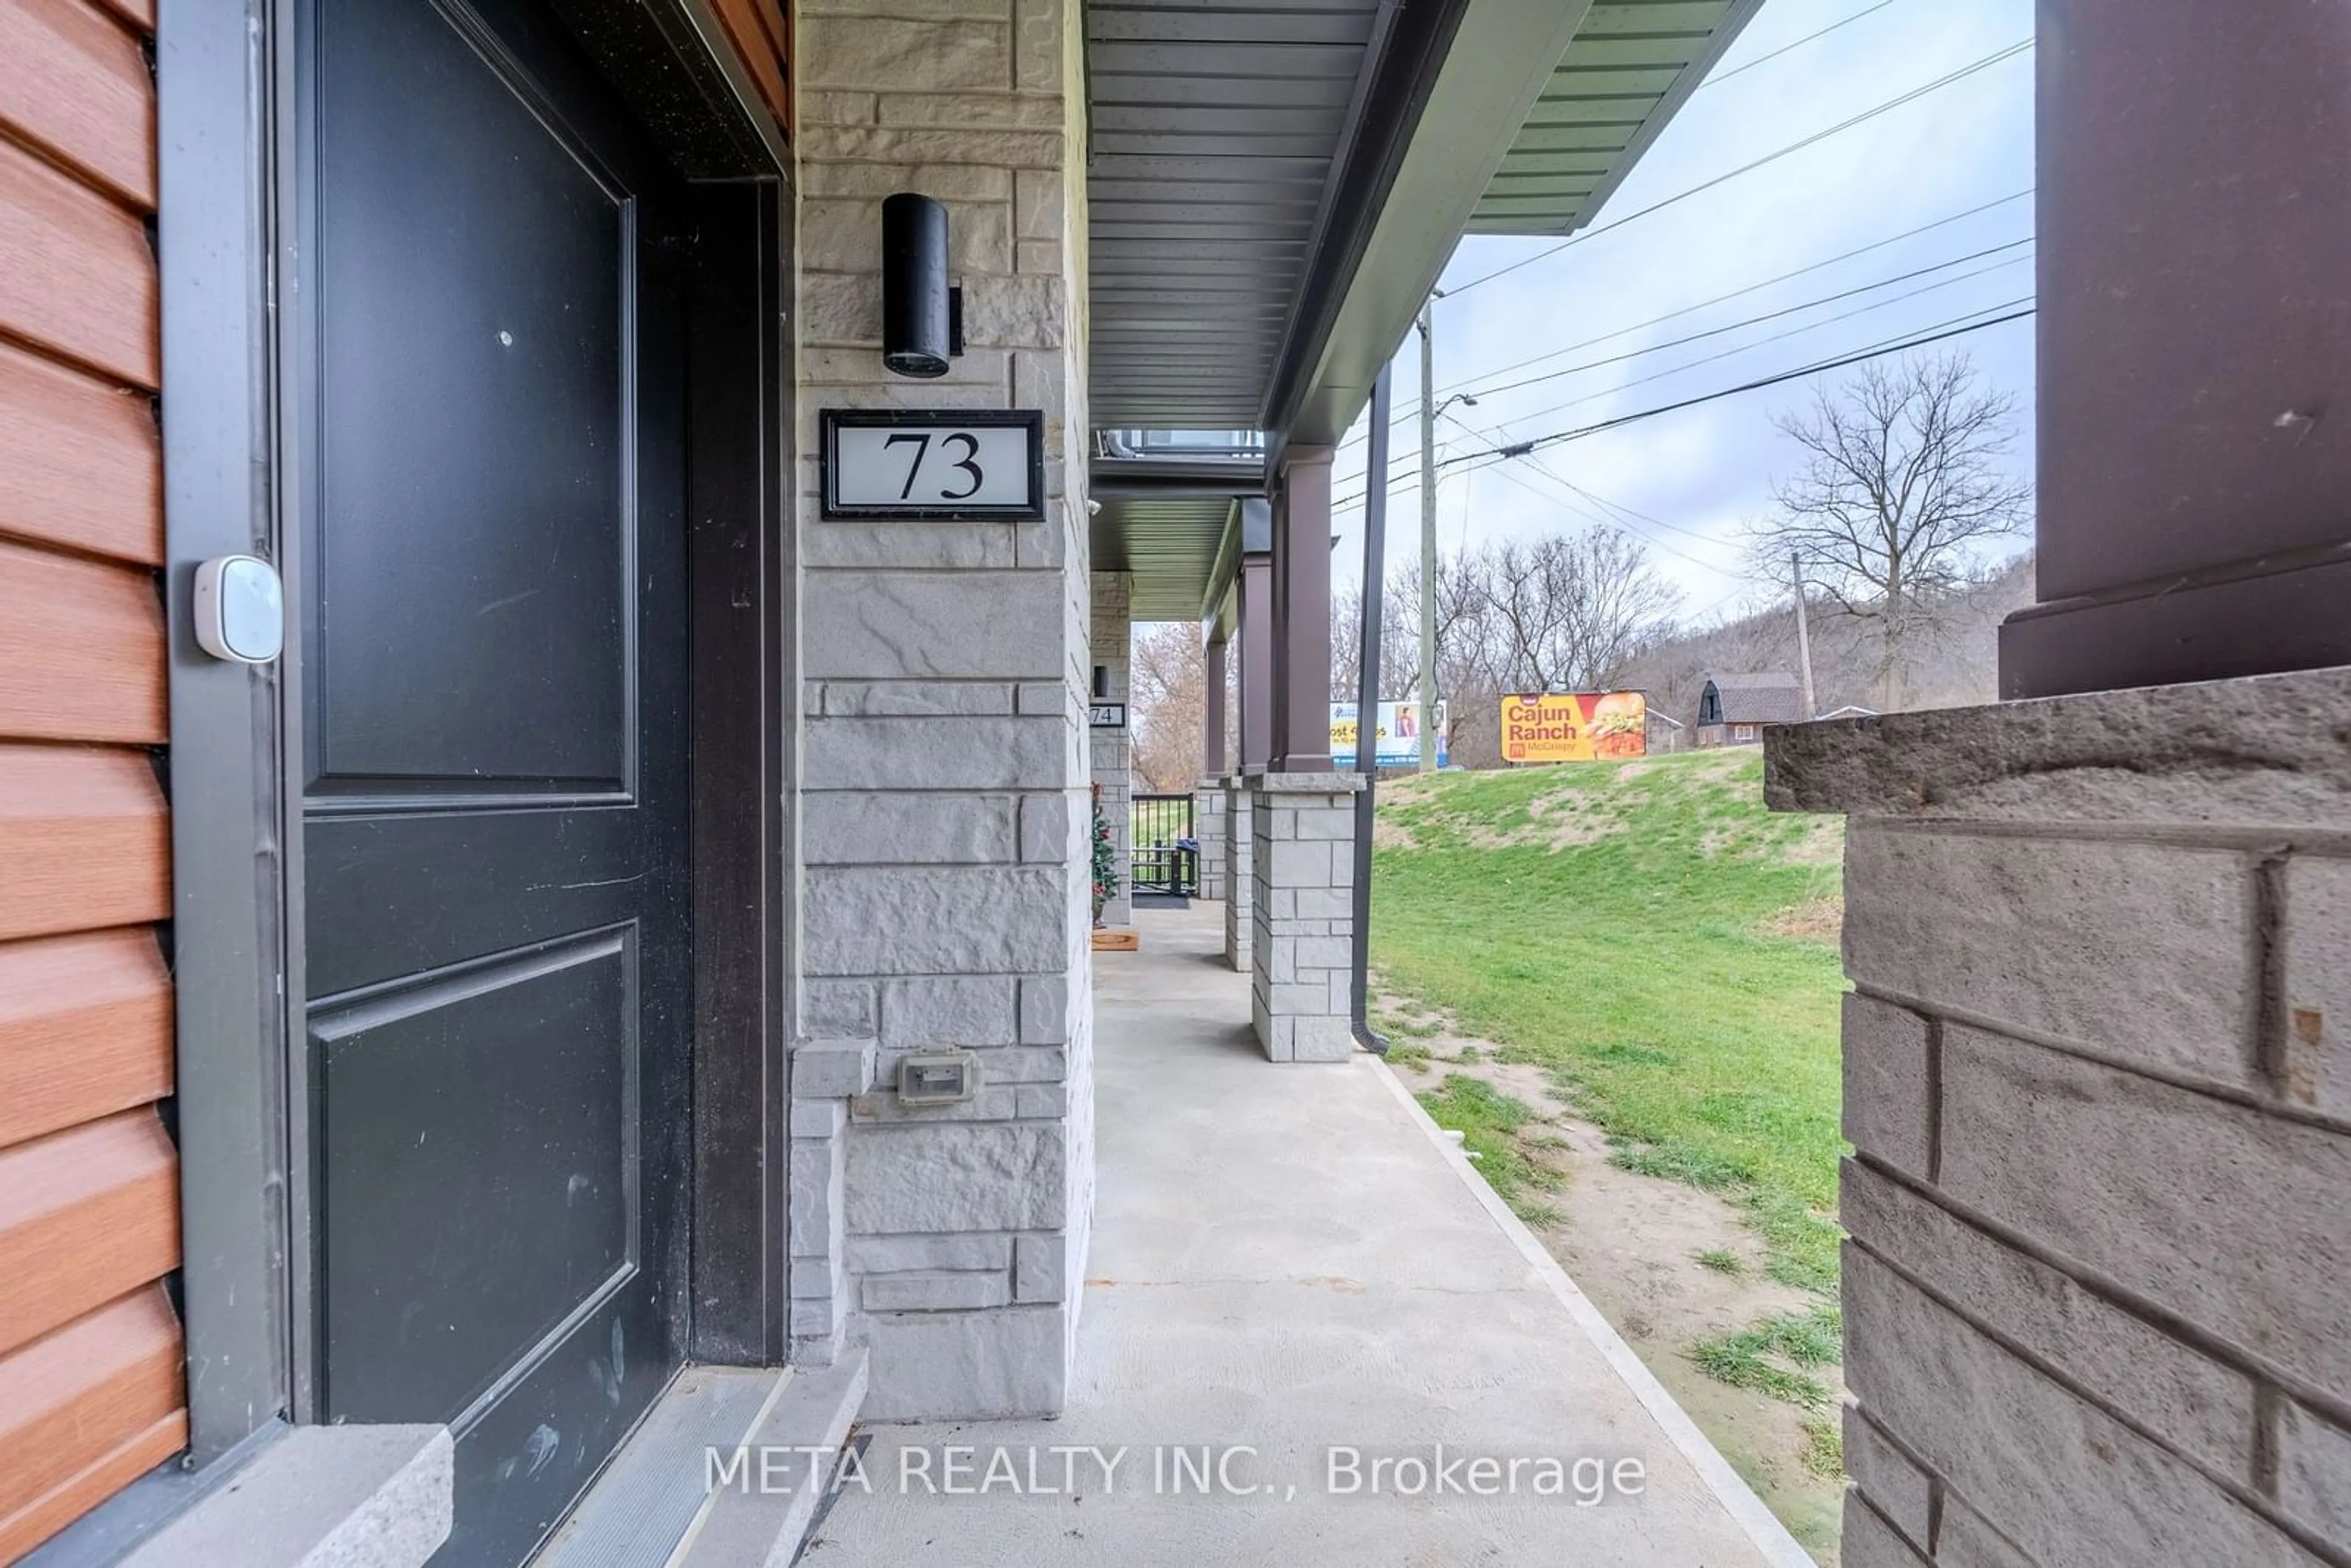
{"x":1470,"y":382}
{"x":1733,"y":597}
{"x":1941,"y":331}
{"x":1800,"y":43}
{"x":1742,"y":293}
{"x":1613,"y":514}
{"x":1768,"y":315}
{"x":1913,"y":96}
{"x":1609,"y":522}
{"x":1520,"y":449}
{"x":1760,"y":343}
{"x":1619,"y":507}
{"x":1503,"y":452}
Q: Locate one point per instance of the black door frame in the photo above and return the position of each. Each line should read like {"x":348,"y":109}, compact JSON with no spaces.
{"x":233,"y":477}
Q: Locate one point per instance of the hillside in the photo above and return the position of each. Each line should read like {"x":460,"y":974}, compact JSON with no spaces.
{"x":1648,"y":930}
{"x":1620,"y":984}
{"x":1958,"y":665}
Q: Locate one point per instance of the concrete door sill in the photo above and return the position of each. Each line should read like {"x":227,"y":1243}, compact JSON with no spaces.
{"x":726,"y":1470}
{"x":319,"y":1497}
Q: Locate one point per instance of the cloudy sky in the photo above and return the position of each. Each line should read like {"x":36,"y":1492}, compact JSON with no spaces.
{"x":1685,"y":482}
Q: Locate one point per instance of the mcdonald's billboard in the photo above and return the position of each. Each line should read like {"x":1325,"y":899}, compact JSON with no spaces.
{"x":1574,"y":727}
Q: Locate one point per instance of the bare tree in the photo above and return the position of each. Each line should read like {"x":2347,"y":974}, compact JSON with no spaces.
{"x":1399,"y":643}
{"x":1167,"y":683}
{"x":1562,"y":613}
{"x":1903,"y":477}
{"x":1469,"y":666}
{"x":1570,"y":610}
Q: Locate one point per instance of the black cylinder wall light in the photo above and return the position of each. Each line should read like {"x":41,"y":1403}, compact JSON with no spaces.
{"x":920,"y":331}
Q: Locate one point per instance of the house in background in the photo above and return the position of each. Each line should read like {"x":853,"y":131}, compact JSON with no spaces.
{"x":1733,"y":708}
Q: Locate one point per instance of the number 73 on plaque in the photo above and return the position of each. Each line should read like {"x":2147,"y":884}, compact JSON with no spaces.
{"x":885,"y":465}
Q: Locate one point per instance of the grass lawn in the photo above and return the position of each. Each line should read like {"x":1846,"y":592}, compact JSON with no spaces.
{"x":1660,"y":943}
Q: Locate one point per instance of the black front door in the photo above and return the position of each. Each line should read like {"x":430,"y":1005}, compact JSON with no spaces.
{"x":490,"y":389}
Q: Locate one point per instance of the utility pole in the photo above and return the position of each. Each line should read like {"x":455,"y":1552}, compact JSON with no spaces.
{"x":1367,"y":706}
{"x":1803,"y":638}
{"x":1427,"y":536}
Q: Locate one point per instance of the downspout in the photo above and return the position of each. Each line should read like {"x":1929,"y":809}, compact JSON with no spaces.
{"x":1367,"y":706}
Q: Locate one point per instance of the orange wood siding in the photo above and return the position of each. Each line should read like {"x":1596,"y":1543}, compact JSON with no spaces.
{"x":138,"y":15}
{"x":84,"y":841}
{"x":84,"y":1411}
{"x":92,"y":1366}
{"x":86,"y":660}
{"x":91,"y":106}
{"x":85,"y":1029}
{"x":84,"y":462}
{"x":761,"y":32}
{"x":90,"y":1212}
{"x":76,"y":277}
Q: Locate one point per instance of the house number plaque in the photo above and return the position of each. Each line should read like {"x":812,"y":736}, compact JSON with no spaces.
{"x":950,"y":466}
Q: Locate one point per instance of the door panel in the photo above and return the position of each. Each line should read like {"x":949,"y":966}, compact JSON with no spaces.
{"x":497,"y":947}
{"x":393,"y":891}
{"x":522,"y":1202}
{"x":476,"y":399}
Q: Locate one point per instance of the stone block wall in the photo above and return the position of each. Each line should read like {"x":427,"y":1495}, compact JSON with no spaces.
{"x":945,"y":901}
{"x":2098,"y":1083}
{"x":1212,"y":826}
{"x":1301,"y":950}
{"x":1112,"y":750}
{"x":1240,"y":874}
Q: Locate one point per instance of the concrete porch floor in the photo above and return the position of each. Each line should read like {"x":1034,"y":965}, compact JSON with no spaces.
{"x":1288,"y":1258}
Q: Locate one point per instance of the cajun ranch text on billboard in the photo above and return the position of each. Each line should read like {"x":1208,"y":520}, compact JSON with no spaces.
{"x":1574,"y":727}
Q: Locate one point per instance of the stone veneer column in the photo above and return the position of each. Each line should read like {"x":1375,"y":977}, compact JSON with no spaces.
{"x":1112,"y":750}
{"x":1211,"y":825}
{"x":2097,"y":1076}
{"x":944,"y":769}
{"x":1240,"y":874}
{"x":1302,"y":964}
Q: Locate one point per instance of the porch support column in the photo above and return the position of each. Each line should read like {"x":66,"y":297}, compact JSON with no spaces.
{"x":1302,"y":949}
{"x":1256,"y":626}
{"x":1301,"y":595}
{"x":1256,"y":655}
{"x":2100,"y":943}
{"x":2195,"y":406}
{"x":1301,"y":812}
{"x":1211,"y":817}
{"x":2099,"y":1022}
{"x":1212,"y":742}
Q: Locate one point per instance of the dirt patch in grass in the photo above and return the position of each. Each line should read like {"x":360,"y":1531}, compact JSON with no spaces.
{"x":1821,"y":843}
{"x":1816,"y":919}
{"x":1571,"y":818}
{"x":1679,"y":1270}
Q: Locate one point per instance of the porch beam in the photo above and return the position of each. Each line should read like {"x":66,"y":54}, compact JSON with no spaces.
{"x":1301,"y":595}
{"x":1212,"y":742}
{"x":1257,"y":662}
{"x":2192,"y":450}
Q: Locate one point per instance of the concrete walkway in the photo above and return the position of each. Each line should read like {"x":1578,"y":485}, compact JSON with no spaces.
{"x":1289,"y":1260}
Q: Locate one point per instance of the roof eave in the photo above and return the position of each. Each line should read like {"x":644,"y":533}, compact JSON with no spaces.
{"x":1693,"y":77}
{"x":1493,"y":67}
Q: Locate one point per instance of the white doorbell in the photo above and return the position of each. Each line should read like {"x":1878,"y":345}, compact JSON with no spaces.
{"x":240,"y":610}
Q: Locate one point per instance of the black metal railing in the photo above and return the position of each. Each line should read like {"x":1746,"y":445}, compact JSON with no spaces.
{"x":1163,"y":852}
